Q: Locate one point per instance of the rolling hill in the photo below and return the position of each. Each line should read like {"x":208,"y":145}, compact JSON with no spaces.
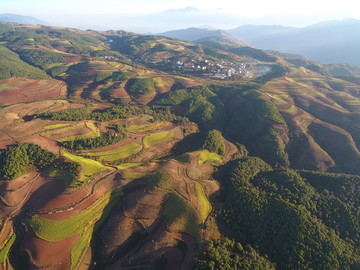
{"x":124,"y":151}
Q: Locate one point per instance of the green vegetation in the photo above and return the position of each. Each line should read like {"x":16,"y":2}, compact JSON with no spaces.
{"x":140,"y":86}
{"x":145,"y":127}
{"x":208,"y":157}
{"x":204,"y":206}
{"x":284,"y":217}
{"x":16,"y":160}
{"x":214,"y":142}
{"x":104,"y":140}
{"x":12,"y":66}
{"x":55,"y":126}
{"x":57,"y":70}
{"x":53,"y":231}
{"x":5,"y":247}
{"x":88,"y":167}
{"x":41,"y":58}
{"x":202,"y":101}
{"x":60,"y":129}
{"x":117,"y":153}
{"x":107,"y":77}
{"x":158,"y":138}
{"x":112,"y":113}
{"x":228,"y":254}
{"x":273,"y":152}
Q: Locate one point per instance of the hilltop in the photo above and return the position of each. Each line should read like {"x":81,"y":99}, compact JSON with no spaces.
{"x":121,"y":150}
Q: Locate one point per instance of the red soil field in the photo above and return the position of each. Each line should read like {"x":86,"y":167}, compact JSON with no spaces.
{"x":45,"y":143}
{"x":25,"y":90}
{"x":51,"y":255}
{"x":73,"y":59}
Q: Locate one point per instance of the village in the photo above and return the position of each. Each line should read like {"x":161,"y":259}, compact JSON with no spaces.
{"x":202,"y":67}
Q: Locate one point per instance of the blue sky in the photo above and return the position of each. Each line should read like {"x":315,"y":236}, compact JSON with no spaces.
{"x":77,"y":12}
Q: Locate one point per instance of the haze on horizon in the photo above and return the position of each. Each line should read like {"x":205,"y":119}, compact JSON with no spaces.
{"x":160,"y":15}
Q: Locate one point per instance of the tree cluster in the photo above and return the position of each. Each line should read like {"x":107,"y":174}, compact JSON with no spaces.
{"x":214,"y":142}
{"x":104,"y":140}
{"x":16,"y":160}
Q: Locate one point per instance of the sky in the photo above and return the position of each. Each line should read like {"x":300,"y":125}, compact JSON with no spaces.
{"x":219,"y":13}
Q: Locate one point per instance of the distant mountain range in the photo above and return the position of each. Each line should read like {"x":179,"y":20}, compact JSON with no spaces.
{"x":204,"y":35}
{"x":16,"y":18}
{"x":328,"y":42}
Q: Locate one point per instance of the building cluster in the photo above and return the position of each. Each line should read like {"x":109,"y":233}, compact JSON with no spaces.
{"x":208,"y":68}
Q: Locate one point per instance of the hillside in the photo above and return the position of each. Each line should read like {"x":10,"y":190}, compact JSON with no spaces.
{"x":128,"y":151}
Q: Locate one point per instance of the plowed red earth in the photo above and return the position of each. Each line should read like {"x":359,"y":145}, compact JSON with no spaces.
{"x":25,"y":90}
{"x":49,"y":255}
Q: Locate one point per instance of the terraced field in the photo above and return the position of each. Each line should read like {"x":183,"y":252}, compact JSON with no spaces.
{"x":116,"y":154}
{"x":15,"y":91}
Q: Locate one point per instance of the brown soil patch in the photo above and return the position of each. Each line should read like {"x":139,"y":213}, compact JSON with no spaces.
{"x":77,"y":207}
{"x":73,"y":59}
{"x":119,"y":93}
{"x":109,"y":147}
{"x":116,"y":232}
{"x":5,"y":140}
{"x":45,"y":143}
{"x":49,"y":190}
{"x":146,"y":98}
{"x":64,"y":200}
{"x":43,"y":254}
{"x":162,"y":89}
{"x":140,"y":204}
{"x":190,"y":252}
{"x":25,"y":90}
{"x":80,"y":131}
{"x":66,"y":106}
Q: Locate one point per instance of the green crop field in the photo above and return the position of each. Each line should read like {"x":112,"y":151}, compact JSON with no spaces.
{"x":203,"y":201}
{"x":158,"y":138}
{"x":53,"y":231}
{"x":117,"y":153}
{"x":6,"y":246}
{"x":125,"y":166}
{"x":55,"y":126}
{"x":88,"y":168}
{"x":146,"y":127}
{"x":206,"y":156}
{"x":57,"y":129}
